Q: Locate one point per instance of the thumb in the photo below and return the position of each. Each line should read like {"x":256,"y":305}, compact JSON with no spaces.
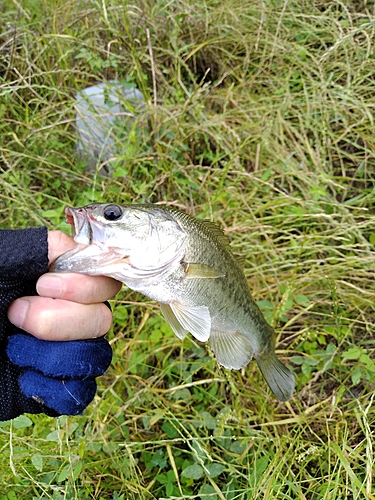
{"x":59,"y":243}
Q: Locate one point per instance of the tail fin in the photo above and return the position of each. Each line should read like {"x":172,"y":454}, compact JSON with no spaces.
{"x":278,"y":377}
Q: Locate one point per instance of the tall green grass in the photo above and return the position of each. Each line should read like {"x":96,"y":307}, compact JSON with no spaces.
{"x":260,"y":116}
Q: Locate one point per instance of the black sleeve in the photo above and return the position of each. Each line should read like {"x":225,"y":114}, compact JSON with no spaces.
{"x":23,"y":259}
{"x":23,"y":253}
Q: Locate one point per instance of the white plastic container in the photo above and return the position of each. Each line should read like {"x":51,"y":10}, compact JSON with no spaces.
{"x":105,"y":112}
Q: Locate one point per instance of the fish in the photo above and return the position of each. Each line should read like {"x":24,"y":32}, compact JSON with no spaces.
{"x":187,"y":266}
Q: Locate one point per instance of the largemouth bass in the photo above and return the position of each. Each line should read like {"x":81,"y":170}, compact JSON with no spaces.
{"x":187,"y":266}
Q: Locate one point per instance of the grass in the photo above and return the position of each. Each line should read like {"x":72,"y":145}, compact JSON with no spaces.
{"x":259,"y":116}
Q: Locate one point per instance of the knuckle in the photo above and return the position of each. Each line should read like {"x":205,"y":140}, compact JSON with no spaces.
{"x":41,"y":324}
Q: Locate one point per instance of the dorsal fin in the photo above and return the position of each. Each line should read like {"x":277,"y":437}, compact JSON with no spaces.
{"x":218,"y":231}
{"x":240,"y":259}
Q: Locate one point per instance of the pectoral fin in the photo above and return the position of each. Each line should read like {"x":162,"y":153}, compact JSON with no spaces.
{"x":193,"y":270}
{"x":194,"y":319}
{"x":232,"y":349}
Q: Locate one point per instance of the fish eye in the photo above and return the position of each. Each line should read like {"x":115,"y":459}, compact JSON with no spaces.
{"x":112,"y":212}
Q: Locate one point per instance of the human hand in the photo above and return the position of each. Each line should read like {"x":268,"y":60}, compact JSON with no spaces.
{"x":69,"y":306}
{"x":41,"y":372}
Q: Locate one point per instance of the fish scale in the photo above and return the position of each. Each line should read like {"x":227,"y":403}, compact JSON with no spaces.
{"x":204,"y":247}
{"x":186,"y":265}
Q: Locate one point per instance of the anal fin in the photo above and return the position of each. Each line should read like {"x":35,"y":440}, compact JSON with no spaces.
{"x":232,"y":349}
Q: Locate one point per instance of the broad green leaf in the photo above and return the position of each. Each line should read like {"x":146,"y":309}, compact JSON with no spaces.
{"x":169,"y":489}
{"x":77,"y":469}
{"x":208,"y":420}
{"x":302,"y":300}
{"x":64,"y":474}
{"x":158,"y":459}
{"x":297,"y":360}
{"x":261,"y":465}
{"x":353,"y":353}
{"x":356,"y":376}
{"x":215,"y":470}
{"x":193,"y":472}
{"x":169,"y":429}
{"x":21,"y":422}
{"x":53,"y":436}
{"x":207,"y":492}
{"x":162,"y":479}
{"x":37,"y":461}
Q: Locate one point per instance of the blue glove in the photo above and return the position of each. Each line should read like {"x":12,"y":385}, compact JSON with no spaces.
{"x":59,"y":375}
{"x":39,"y":376}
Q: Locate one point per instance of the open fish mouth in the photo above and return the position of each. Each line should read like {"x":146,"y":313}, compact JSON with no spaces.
{"x":79,"y":219}
{"x":71,"y":219}
{"x":87,"y":255}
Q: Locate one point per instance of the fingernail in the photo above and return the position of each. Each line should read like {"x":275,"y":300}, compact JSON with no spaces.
{"x":50,"y":285}
{"x":17,"y":312}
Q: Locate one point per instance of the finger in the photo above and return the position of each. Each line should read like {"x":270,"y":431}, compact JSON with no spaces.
{"x":55,"y":319}
{"x":59,"y":243}
{"x":77,"y":287}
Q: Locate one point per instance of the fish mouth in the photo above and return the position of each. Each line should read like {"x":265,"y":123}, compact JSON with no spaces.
{"x":79,"y":219}
{"x":91,"y":255}
{"x":86,"y":252}
{"x":69,"y":212}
